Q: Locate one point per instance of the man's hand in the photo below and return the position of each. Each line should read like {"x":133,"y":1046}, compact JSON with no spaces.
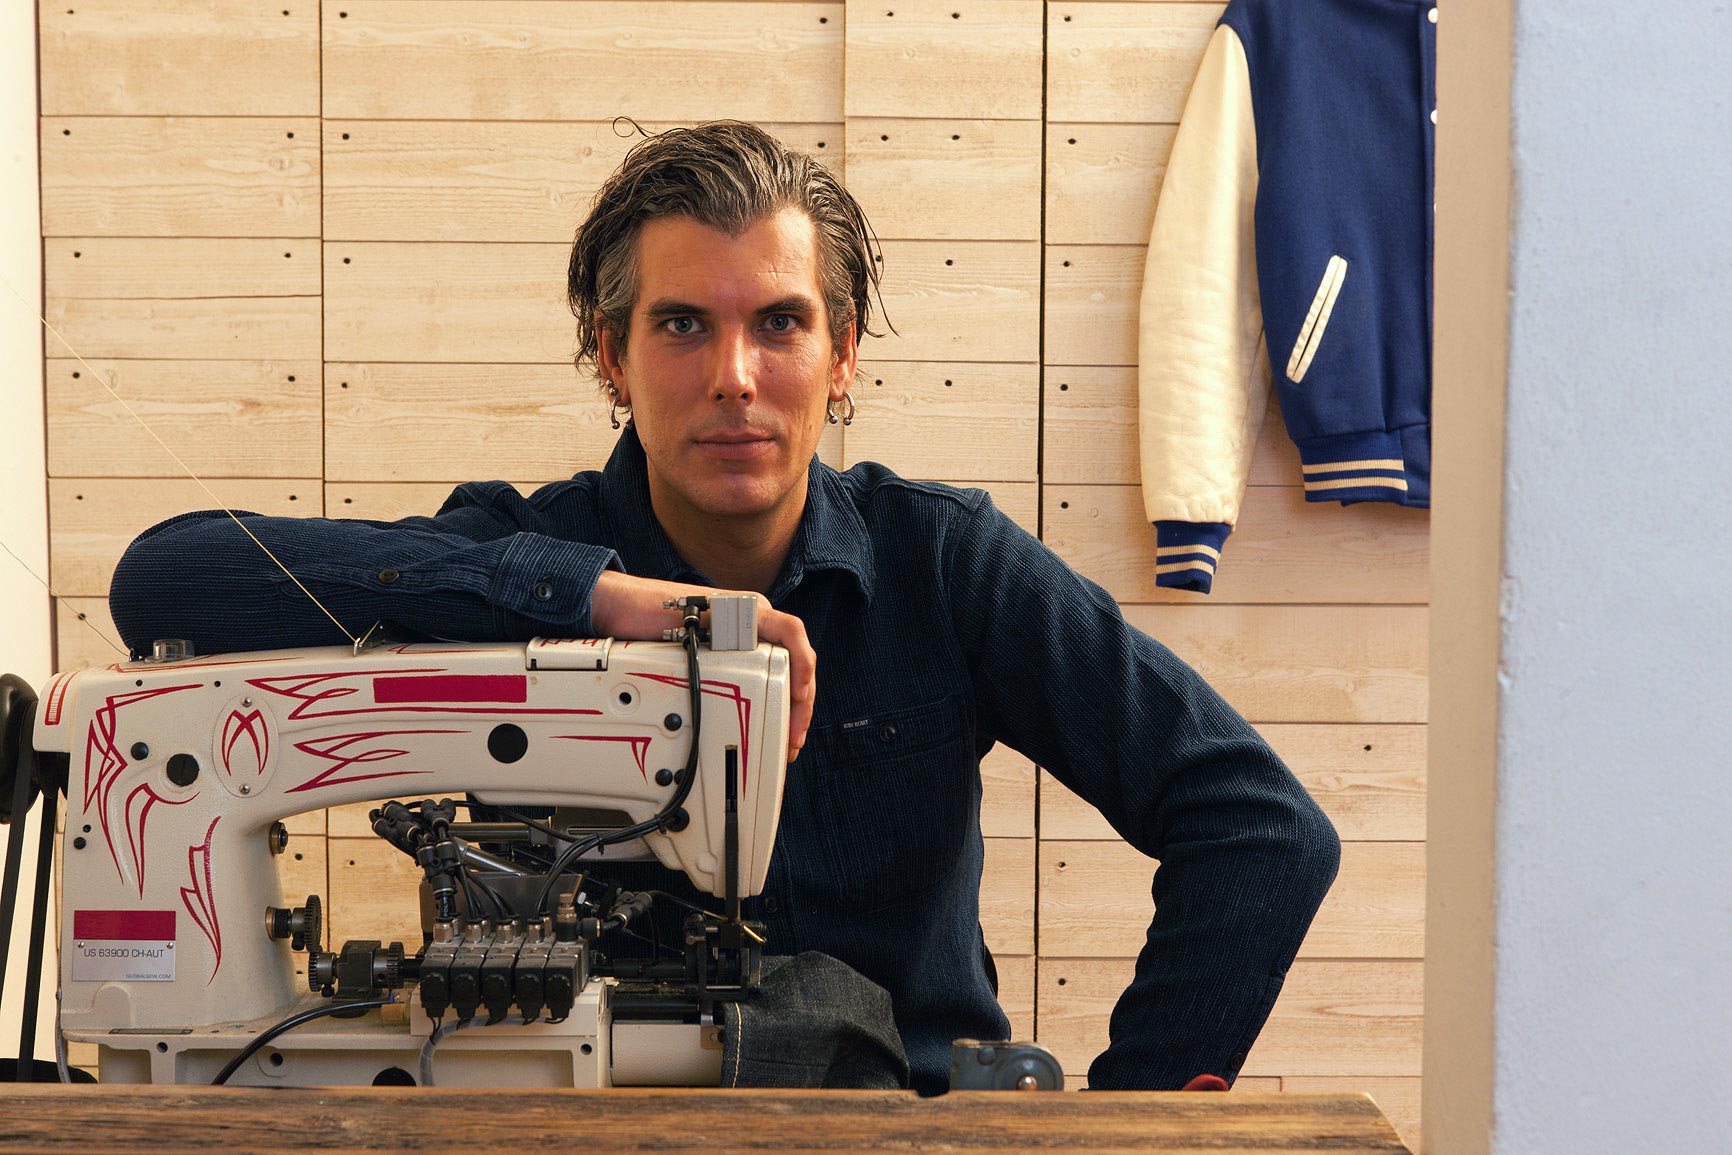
{"x":624,"y":606}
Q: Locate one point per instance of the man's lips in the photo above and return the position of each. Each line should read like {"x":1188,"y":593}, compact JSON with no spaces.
{"x":736,"y":446}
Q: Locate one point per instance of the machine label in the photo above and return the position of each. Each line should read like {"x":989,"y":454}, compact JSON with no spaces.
{"x":128,"y":945}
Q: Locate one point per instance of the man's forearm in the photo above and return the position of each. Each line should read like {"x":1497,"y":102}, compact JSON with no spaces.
{"x":1236,"y":891}
{"x":200,"y":577}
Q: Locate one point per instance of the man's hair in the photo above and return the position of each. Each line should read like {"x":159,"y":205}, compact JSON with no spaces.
{"x":727,"y":175}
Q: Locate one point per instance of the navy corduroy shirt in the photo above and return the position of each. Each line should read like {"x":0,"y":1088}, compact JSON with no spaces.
{"x":941,"y":628}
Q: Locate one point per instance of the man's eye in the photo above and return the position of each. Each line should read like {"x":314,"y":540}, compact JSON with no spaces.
{"x":781,"y":322}
{"x":681,"y":326}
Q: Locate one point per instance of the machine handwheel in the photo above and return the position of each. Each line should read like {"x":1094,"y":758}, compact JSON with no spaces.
{"x":17,"y":756}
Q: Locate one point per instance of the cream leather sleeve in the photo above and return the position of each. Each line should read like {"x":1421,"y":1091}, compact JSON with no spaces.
{"x":1203,"y":377}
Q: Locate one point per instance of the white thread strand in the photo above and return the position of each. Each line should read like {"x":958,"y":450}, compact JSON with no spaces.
{"x":90,"y":625}
{"x":177,"y":460}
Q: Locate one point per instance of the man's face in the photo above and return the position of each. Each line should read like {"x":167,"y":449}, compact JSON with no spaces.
{"x":729,"y":363}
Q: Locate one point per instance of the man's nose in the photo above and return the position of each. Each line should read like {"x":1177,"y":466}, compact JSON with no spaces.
{"x":731,"y":371}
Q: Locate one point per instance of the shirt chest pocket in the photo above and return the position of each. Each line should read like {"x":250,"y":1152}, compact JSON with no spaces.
{"x":896,"y":796}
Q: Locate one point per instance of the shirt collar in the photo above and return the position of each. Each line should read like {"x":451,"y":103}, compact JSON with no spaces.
{"x":832,"y":535}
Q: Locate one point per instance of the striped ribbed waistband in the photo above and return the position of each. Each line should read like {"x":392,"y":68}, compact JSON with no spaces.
{"x":1392,"y":466}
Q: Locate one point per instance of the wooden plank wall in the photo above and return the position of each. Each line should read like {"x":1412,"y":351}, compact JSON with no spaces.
{"x":320,"y":248}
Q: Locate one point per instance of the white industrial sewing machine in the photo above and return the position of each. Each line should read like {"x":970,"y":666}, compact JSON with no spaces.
{"x":177,"y":951}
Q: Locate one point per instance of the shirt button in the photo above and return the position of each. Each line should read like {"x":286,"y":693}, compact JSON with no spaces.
{"x":1434,"y":116}
{"x":1432,"y":16}
{"x":388,"y":575}
{"x":543,"y":591}
{"x":771,"y":904}
{"x":887,"y":733}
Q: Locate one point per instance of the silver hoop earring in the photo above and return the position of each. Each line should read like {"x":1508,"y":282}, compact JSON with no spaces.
{"x":613,"y":405}
{"x":847,"y":417}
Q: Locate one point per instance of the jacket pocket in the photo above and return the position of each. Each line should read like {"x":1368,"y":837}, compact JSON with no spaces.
{"x":1316,"y":319}
{"x":894,"y":792}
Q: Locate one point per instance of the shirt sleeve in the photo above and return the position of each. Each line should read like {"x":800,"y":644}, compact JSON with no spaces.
{"x":1203,"y":377}
{"x":1245,"y":855}
{"x":476,"y":571}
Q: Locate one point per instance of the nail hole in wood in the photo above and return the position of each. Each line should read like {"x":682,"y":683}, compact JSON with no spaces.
{"x":1063,"y":505}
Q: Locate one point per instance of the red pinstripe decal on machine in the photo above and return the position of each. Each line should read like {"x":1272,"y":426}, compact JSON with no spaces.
{"x":104,"y":765}
{"x":252,"y":727}
{"x":56,"y":697}
{"x":177,"y":667}
{"x":742,"y":709}
{"x":639,"y":746}
{"x":204,"y":914}
{"x":135,"y":830}
{"x":339,"y":752}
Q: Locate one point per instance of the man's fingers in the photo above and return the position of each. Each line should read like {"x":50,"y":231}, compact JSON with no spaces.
{"x":624,"y":606}
{"x":789,"y":632}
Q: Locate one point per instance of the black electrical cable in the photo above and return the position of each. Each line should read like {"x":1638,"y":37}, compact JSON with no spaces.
{"x":500,"y":906}
{"x":686,"y":780}
{"x":470,"y":898}
{"x":572,"y":854}
{"x":290,"y":1024}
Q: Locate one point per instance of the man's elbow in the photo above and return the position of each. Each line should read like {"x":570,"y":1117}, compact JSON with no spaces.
{"x":135,"y":595}
{"x":148,"y":596}
{"x":1313,"y":850}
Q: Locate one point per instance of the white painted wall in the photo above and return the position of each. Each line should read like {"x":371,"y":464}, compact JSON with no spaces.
{"x":24,"y":603}
{"x":1614,"y":863}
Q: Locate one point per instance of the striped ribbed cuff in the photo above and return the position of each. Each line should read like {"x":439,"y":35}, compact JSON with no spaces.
{"x":1186,"y":553}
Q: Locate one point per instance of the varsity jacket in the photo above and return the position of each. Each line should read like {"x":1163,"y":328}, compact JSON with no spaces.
{"x":1292,"y":241}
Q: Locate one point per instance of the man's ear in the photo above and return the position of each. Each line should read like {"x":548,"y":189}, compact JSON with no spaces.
{"x":845,"y":361}
{"x":608,"y":357}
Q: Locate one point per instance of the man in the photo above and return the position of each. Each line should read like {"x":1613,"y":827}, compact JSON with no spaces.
{"x":721,"y":284}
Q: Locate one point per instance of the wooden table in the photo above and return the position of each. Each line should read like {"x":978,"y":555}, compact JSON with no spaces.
{"x":221,"y":1120}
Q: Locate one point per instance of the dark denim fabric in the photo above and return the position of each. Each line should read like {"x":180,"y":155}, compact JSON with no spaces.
{"x":814,"y":1022}
{"x":941,"y":628}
